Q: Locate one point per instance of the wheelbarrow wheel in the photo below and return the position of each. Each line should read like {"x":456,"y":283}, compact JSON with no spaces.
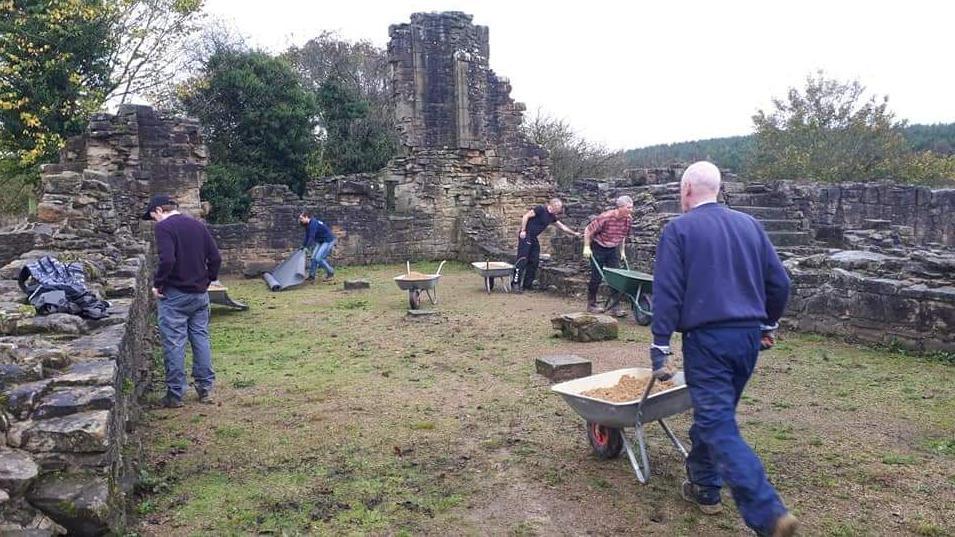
{"x":644,"y":303}
{"x":414,"y":298}
{"x":606,"y":442}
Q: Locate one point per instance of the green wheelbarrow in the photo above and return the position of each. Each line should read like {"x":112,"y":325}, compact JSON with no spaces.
{"x":636,"y":286}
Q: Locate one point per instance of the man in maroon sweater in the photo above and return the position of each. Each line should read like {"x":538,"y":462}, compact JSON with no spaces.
{"x":188,"y":261}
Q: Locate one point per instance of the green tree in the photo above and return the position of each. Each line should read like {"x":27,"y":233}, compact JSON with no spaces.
{"x":354,"y":142}
{"x":60,"y":60}
{"x":259,"y":124}
{"x":351,"y":81}
{"x":828,"y":132}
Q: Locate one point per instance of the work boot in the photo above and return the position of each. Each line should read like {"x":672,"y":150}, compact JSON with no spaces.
{"x":329,"y":276}
{"x":708,"y":506}
{"x":593,"y":308}
{"x":785,"y":526}
{"x":205,"y":397}
{"x":169,"y":401}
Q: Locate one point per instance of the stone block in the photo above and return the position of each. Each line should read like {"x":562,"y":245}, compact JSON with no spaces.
{"x":17,"y":470}
{"x":351,"y":285}
{"x":65,"y":401}
{"x":96,"y":373}
{"x":77,"y":433}
{"x":586,"y":326}
{"x":22,"y":398}
{"x":78,"y":502}
{"x":559,"y":368}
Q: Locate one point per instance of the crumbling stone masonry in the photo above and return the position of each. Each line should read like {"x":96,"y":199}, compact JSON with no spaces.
{"x":873,"y":262}
{"x":465,"y":175}
{"x":70,"y":386}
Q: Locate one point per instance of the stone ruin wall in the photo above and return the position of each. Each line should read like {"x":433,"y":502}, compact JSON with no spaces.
{"x":70,"y":386}
{"x":465,"y":174}
{"x":873,"y":262}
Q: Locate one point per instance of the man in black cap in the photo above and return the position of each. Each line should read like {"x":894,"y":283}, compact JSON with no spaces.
{"x":188,"y":261}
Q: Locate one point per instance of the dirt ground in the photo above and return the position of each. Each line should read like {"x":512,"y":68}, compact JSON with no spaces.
{"x":338,"y":414}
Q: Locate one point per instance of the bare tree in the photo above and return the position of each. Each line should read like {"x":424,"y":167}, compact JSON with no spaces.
{"x":572,"y":156}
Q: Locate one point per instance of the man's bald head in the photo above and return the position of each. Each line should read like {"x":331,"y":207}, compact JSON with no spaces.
{"x":700,"y":184}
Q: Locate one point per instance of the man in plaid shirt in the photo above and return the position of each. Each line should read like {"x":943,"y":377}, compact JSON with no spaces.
{"x":604,"y":241}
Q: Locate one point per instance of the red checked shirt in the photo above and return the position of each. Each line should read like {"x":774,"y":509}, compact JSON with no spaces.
{"x":608,"y":230}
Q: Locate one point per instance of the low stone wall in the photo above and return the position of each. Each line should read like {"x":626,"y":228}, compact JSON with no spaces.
{"x":69,"y":387}
{"x":70,"y":391}
{"x":876,"y":298}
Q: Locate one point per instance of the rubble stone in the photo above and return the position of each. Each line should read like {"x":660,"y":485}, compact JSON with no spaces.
{"x":17,"y":470}
{"x":80,"y":503}
{"x":585,"y":327}
{"x":76,"y":433}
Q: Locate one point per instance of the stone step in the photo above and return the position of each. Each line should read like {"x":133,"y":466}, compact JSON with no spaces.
{"x":781,"y":225}
{"x":770,"y":213}
{"x":789,"y":238}
{"x":757,"y":199}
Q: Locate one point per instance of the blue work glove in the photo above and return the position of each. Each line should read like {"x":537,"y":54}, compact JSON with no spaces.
{"x":768,"y":336}
{"x":660,"y":358}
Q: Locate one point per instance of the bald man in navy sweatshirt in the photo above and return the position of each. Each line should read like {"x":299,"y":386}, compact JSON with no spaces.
{"x":719,"y":281}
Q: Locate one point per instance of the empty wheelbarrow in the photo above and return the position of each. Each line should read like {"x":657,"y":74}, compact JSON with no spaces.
{"x":636,"y":286}
{"x":416,"y":283}
{"x":218,"y":294}
{"x":491,"y":270}
{"x":608,"y":423}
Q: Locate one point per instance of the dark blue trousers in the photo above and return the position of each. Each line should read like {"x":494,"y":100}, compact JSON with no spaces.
{"x":717,"y":363}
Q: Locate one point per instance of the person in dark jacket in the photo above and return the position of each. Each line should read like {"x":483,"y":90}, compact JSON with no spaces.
{"x":719,"y":281}
{"x":188,"y":262}
{"x":320,"y":239}
{"x":533,"y":223}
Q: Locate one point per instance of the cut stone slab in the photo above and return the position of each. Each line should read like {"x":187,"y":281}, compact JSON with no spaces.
{"x":65,"y":401}
{"x":77,"y":433}
{"x":563,"y":367}
{"x":352,"y":285}
{"x":421,"y":314}
{"x":17,"y":470}
{"x":96,"y":373}
{"x":21,"y":399}
{"x":78,"y":502}
{"x":586,"y":327}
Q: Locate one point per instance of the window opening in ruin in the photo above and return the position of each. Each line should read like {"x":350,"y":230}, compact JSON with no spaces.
{"x":390,"y":196}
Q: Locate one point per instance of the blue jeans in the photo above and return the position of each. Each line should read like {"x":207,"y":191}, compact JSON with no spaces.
{"x":185,"y":316}
{"x":319,"y":255}
{"x":718,"y":362}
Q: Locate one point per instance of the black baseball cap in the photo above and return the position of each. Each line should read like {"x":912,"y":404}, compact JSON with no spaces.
{"x":156,"y":201}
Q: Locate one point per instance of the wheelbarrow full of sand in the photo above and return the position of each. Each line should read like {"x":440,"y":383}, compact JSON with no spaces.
{"x":416,"y":282}
{"x":608,"y":422}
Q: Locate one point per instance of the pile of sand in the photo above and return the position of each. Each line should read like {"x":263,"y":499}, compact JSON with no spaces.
{"x":416,"y":276}
{"x":629,"y":388}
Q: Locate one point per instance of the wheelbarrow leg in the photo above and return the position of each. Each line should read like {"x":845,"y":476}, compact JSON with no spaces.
{"x":643,"y":473}
{"x":676,"y":441}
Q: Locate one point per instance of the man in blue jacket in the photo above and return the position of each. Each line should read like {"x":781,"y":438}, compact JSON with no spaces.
{"x":321,"y":240}
{"x":719,"y":281}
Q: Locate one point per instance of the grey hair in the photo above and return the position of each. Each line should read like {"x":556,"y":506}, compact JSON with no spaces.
{"x":623,"y":201}
{"x":555,"y":201}
{"x":704,"y":175}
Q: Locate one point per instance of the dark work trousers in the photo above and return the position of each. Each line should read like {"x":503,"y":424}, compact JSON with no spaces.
{"x":718,"y":362}
{"x":528,"y":258}
{"x":606,"y":257}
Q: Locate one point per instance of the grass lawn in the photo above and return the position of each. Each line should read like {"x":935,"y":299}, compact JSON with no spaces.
{"x":337,"y":414}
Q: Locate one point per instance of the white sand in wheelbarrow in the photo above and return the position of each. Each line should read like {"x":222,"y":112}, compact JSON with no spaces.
{"x":628,"y":388}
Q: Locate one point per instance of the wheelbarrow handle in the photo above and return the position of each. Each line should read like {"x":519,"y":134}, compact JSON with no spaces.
{"x":646,"y":394}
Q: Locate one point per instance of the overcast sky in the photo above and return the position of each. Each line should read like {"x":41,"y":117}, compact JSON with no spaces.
{"x":631,"y":74}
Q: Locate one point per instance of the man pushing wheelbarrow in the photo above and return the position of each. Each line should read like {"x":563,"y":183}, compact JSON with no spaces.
{"x":604,"y":239}
{"x":719,"y":281}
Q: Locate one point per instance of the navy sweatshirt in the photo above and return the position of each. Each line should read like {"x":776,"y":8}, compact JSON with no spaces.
{"x":188,"y":257}
{"x":317,"y":232}
{"x":715,"y":266}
